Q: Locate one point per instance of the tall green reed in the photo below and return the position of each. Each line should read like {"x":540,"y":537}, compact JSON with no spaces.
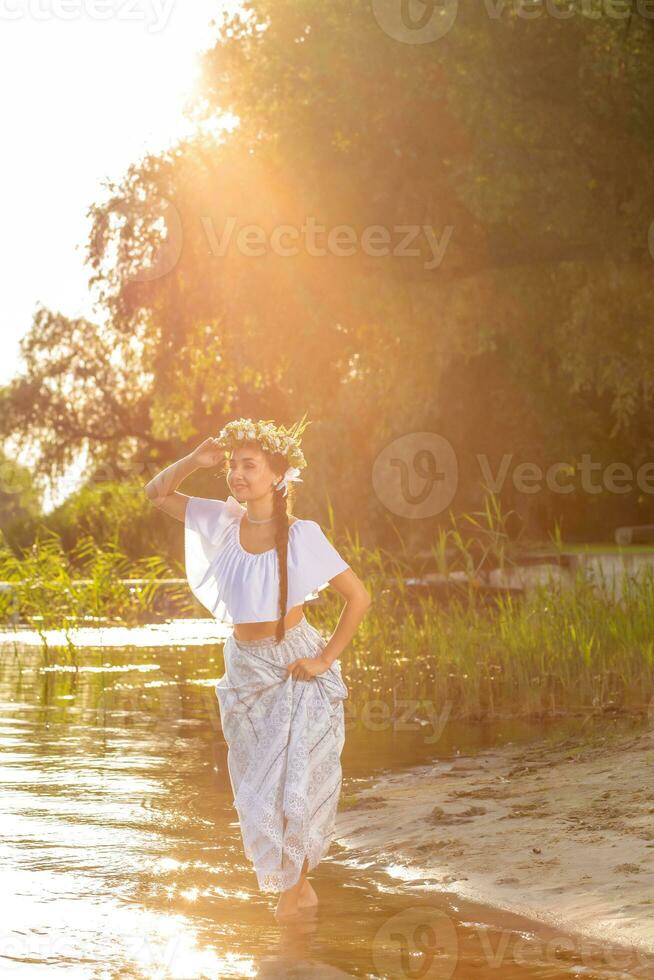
{"x":51,"y":589}
{"x":581,"y":646}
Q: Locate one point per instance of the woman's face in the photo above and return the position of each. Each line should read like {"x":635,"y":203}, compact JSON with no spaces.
{"x":249,"y":475}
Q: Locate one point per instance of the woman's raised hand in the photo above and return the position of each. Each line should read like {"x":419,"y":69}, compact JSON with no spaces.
{"x":208,"y":453}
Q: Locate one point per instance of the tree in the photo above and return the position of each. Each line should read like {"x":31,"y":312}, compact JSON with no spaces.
{"x":518,"y":151}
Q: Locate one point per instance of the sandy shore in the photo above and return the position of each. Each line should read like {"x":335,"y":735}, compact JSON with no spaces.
{"x":561,"y":832}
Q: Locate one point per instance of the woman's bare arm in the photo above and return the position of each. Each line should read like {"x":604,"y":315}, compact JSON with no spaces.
{"x":162,"y":488}
{"x":357,"y":601}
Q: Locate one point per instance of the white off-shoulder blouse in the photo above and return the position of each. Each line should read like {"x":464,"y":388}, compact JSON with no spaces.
{"x":237,"y":586}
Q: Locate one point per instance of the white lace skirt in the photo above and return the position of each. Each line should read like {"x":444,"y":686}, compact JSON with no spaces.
{"x":284,"y":738}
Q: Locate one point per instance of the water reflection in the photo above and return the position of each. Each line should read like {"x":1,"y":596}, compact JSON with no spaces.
{"x":121,"y":852}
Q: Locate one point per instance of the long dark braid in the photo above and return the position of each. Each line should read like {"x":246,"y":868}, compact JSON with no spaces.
{"x":282,"y":507}
{"x":281,"y":510}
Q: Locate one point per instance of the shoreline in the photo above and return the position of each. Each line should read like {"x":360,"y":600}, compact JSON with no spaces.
{"x":561,"y":833}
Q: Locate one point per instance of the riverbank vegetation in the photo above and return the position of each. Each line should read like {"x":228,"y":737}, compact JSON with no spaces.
{"x":549,"y":650}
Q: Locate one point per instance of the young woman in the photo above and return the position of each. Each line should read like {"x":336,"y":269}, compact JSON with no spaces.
{"x":281,"y":695}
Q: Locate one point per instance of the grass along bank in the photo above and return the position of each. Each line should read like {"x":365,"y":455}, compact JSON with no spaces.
{"x":544,"y":653}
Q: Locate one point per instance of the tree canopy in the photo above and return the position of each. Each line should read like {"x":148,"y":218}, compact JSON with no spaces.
{"x":482,"y":270}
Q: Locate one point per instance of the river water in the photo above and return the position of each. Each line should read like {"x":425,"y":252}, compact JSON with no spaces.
{"x":121,"y":854}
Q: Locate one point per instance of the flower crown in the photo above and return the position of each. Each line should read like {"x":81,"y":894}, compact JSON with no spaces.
{"x":273,"y":438}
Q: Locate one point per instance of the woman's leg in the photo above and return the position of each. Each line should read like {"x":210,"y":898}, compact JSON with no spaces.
{"x":289,"y":901}
{"x":284,"y":741}
{"x":300,"y":895}
{"x":308,"y":895}
{"x":329,"y":696}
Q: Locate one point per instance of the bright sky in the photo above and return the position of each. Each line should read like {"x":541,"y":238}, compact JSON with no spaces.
{"x":85,"y":95}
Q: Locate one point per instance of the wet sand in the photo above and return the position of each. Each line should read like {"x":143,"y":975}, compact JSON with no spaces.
{"x":561,"y":832}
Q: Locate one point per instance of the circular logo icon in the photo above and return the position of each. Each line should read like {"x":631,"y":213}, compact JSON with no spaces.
{"x":157,"y":226}
{"x":415,"y":21}
{"x":163,"y":708}
{"x":164,"y":226}
{"x":416,"y":475}
{"x":417,"y":942}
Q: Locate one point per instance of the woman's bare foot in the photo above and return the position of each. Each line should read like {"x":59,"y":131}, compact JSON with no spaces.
{"x":307,"y":895}
{"x":287,"y":906}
